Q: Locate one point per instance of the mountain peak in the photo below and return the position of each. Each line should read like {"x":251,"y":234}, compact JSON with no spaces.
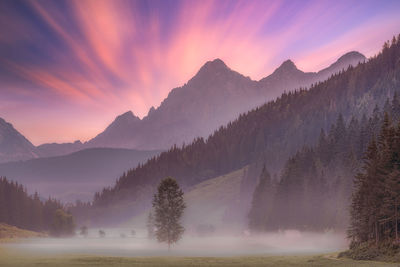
{"x":353,"y":55}
{"x":127,"y":117}
{"x":213,"y":66}
{"x":288,"y":64}
{"x":286,"y":67}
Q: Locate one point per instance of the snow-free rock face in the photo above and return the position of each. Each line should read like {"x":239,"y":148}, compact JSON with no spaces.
{"x":213,"y":97}
{"x":119,"y":133}
{"x":13,"y":145}
{"x":288,"y":77}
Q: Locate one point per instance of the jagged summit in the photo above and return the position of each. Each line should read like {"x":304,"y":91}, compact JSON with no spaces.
{"x":286,"y":68}
{"x":213,"y":66}
{"x":287,"y":65}
{"x":216,"y":63}
{"x":127,"y":116}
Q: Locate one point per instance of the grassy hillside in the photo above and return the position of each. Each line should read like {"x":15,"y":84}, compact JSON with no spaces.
{"x":8,"y":232}
{"x":210,"y":201}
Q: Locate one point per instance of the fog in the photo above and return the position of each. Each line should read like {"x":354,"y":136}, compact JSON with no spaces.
{"x":120,"y":242}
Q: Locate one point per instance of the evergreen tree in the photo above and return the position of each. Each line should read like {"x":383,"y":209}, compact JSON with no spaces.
{"x":168,"y":207}
{"x":19,"y":209}
{"x":262,"y":203}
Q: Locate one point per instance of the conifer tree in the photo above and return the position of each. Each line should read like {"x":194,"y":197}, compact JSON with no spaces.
{"x":262,"y":202}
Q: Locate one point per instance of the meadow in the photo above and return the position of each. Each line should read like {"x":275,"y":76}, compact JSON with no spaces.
{"x":12,"y":258}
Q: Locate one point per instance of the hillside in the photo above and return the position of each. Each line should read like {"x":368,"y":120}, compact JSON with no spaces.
{"x":77,"y":175}
{"x":8,"y":232}
{"x":13,"y":145}
{"x":210,"y":202}
{"x":271,"y":133}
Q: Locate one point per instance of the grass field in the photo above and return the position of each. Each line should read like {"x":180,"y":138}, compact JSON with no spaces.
{"x":13,"y":258}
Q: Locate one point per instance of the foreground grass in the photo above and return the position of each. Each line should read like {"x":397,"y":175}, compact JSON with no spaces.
{"x":12,"y":258}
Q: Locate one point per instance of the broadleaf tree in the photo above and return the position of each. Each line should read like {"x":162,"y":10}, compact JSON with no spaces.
{"x":168,"y":207}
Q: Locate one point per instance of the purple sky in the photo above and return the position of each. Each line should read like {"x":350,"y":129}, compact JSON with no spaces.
{"x":68,"y":68}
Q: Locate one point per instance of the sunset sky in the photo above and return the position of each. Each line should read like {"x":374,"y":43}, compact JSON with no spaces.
{"x":68,"y":68}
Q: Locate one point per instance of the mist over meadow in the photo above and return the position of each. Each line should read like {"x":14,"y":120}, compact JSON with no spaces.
{"x":191,"y":245}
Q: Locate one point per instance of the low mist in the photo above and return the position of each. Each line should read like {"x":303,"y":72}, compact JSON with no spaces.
{"x":122,"y":242}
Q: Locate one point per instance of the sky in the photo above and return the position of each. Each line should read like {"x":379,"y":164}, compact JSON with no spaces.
{"x":68,"y":68}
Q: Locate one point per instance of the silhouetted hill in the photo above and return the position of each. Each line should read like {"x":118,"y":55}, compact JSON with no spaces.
{"x":77,"y":175}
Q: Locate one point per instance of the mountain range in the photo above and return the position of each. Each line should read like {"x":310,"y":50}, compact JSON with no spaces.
{"x":212,"y":98}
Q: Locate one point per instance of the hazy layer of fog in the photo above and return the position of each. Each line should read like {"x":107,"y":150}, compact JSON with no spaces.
{"x":121,"y":242}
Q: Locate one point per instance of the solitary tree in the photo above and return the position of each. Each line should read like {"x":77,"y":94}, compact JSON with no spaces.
{"x":168,"y":207}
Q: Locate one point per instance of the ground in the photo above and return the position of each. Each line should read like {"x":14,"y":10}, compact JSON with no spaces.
{"x":12,"y":258}
{"x":8,"y":232}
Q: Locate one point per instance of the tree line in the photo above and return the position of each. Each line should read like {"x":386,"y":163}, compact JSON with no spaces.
{"x":376,"y":199}
{"x":25,"y":211}
{"x":315,"y":188}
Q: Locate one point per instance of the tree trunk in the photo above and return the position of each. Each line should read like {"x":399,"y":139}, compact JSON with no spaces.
{"x":396,"y":223}
{"x":376,"y":233}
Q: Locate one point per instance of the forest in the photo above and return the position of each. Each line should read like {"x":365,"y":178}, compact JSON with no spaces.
{"x":315,"y":189}
{"x":271,"y":133}
{"x":30,"y":212}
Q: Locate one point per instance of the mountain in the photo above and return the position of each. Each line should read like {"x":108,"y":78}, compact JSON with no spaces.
{"x":213,"y":97}
{"x":120,"y":131}
{"x":287,"y":77}
{"x":77,"y":175}
{"x":269,"y":134}
{"x":13,"y":145}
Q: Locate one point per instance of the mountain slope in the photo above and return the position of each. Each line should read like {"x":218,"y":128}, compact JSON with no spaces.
{"x":213,"y":97}
{"x":77,"y":175}
{"x":211,"y":202}
{"x":287,"y":77}
{"x":120,"y":131}
{"x":13,"y":145}
{"x":270,"y":133}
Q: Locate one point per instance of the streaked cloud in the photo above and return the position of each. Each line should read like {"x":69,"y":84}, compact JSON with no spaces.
{"x":87,"y":61}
